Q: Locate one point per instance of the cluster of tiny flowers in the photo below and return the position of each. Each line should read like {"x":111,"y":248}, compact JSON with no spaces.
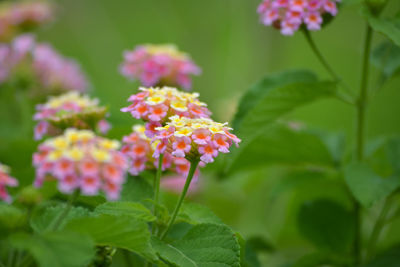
{"x":80,"y":160}
{"x":289,"y":15}
{"x":70,"y":110}
{"x":156,"y":105}
{"x":140,"y":149}
{"x":193,"y":138}
{"x":17,"y":17}
{"x":52,"y":72}
{"x":159,"y":65}
{"x":6,"y":180}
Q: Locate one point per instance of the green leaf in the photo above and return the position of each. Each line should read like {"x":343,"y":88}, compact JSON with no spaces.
{"x":327,"y":224}
{"x":136,"y":189}
{"x":57,"y":249}
{"x":389,"y":258}
{"x":132,"y":209}
{"x":282,"y":145}
{"x":254,"y":95}
{"x":195,"y":213}
{"x":320,"y":259}
{"x":390,"y":27}
{"x":386,"y":57}
{"x":115,"y":230}
{"x":367,"y":186}
{"x":204,"y":245}
{"x":10,"y":217}
{"x":272,"y":99}
{"x":45,"y":216}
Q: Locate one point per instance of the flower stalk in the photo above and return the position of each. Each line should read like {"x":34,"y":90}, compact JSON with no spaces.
{"x":193,"y":166}
{"x":157,"y":180}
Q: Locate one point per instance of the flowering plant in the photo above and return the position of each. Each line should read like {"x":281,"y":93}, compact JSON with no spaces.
{"x":159,"y":65}
{"x":6,"y":180}
{"x":69,"y":110}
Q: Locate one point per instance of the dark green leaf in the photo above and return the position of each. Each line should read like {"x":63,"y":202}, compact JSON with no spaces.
{"x":390,"y":27}
{"x":118,"y":231}
{"x":255,"y":94}
{"x":386,"y":57}
{"x":133,"y":209}
{"x":57,"y":249}
{"x":327,"y":224}
{"x":136,"y":189}
{"x":367,"y":186}
{"x":204,"y":245}
{"x":195,"y":213}
{"x":282,"y":145}
{"x":389,"y":258}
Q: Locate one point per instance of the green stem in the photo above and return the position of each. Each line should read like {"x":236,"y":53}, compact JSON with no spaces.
{"x":346,"y":98}
{"x":193,"y":166}
{"x":157,"y":181}
{"x":360,"y":136}
{"x":56,"y":224}
{"x":378,"y":227}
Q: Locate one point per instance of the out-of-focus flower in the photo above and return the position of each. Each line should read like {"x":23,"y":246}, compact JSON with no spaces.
{"x":80,"y":160}
{"x":290,"y":15}
{"x":41,"y":68}
{"x":157,"y":104}
{"x":140,"y":149}
{"x":176,"y":183}
{"x":194,"y":139}
{"x":6,"y":180}
{"x":17,"y":17}
{"x":159,"y":65}
{"x":70,"y":110}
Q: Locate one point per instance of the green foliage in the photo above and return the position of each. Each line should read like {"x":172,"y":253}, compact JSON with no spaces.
{"x":282,"y":145}
{"x":367,"y":186}
{"x":11,"y":218}
{"x":56,"y":249}
{"x":328,"y":225}
{"x":194,"y":214}
{"x":386,"y":57}
{"x":389,"y":258}
{"x":121,"y":231}
{"x":320,"y":259}
{"x":390,"y":27}
{"x":136,"y":210}
{"x":204,"y":245}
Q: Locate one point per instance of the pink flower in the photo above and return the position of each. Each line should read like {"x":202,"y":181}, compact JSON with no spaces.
{"x":208,"y":152}
{"x":6,"y":180}
{"x":181,"y":146}
{"x":78,"y":159}
{"x":289,"y":15}
{"x":201,"y":136}
{"x":157,"y":104}
{"x":159,"y":65}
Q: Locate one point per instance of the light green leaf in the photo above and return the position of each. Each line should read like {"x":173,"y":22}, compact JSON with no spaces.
{"x":390,"y":27}
{"x":282,"y":145}
{"x":367,"y":186}
{"x":133,"y":209}
{"x":116,"y":230}
{"x":43,"y":218}
{"x":57,"y":249}
{"x":193,"y":213}
{"x":327,"y":224}
{"x":386,"y":57}
{"x":255,"y":94}
{"x":205,"y":245}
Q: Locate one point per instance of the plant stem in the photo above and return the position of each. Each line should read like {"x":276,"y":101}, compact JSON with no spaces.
{"x":346,"y":98}
{"x":56,"y":224}
{"x":360,"y":136}
{"x":193,"y":166}
{"x":378,"y":227}
{"x":157,"y":180}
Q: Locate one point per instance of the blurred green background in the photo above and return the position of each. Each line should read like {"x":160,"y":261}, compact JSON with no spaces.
{"x":225,"y":38}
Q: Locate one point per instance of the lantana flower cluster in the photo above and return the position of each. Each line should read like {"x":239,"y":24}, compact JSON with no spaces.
{"x":20,"y":16}
{"x":45,"y":70}
{"x":156,"y":105}
{"x":70,"y":110}
{"x":194,"y":139}
{"x":140,"y":149}
{"x":80,"y":160}
{"x":5,"y":181}
{"x":159,"y":65}
{"x":289,"y":15}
